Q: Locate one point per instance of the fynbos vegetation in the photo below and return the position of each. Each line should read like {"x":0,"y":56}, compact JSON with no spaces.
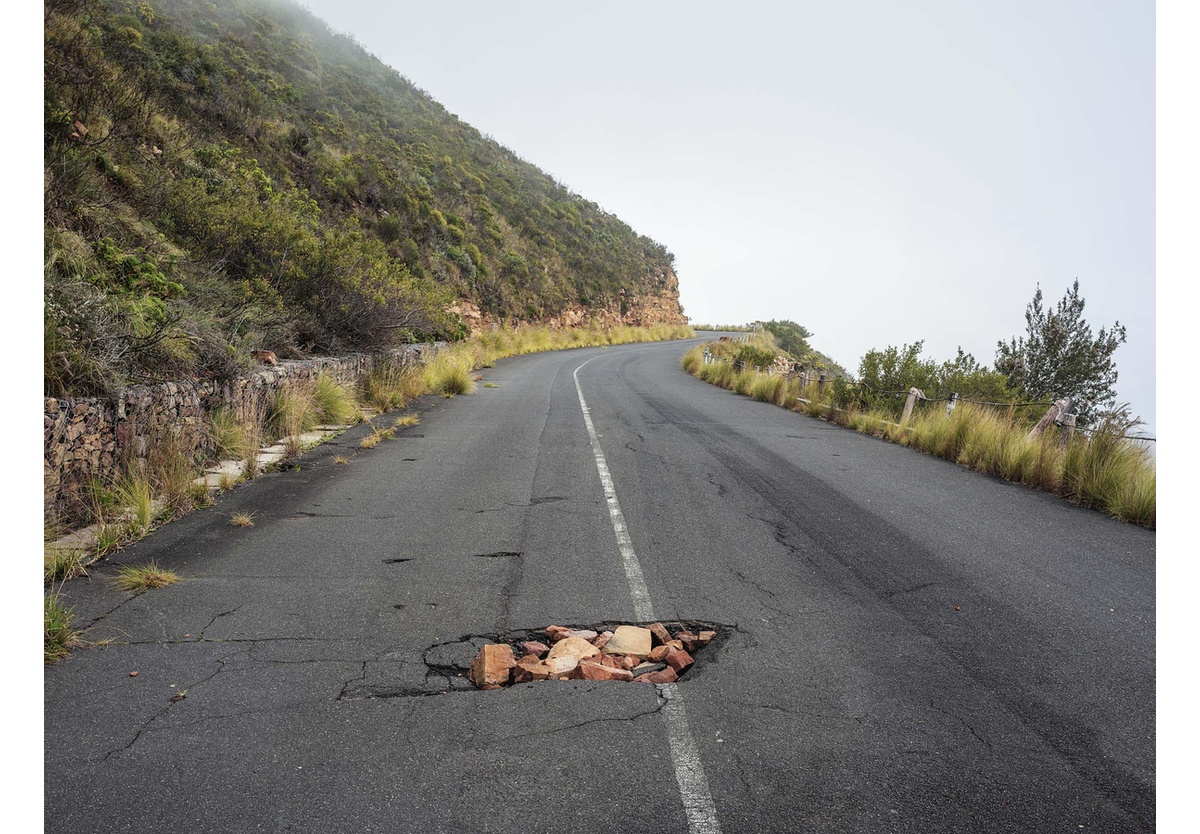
{"x":224,"y":177}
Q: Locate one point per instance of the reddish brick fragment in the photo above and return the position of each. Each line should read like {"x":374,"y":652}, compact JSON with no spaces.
{"x":662,"y":676}
{"x":658,"y":654}
{"x":492,"y":666}
{"x":705,"y":637}
{"x":590,"y":671}
{"x":530,"y":668}
{"x":582,"y":633}
{"x":679,"y":660}
{"x":535,"y":647}
{"x":661,"y":635}
{"x":688,"y":640}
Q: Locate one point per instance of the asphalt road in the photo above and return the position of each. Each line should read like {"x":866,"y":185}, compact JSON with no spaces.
{"x":904,"y":645}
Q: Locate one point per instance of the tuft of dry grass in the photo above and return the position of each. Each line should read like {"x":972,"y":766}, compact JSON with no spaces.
{"x":335,"y":403}
{"x":241,"y":519}
{"x":61,"y":564}
{"x":372,"y":439}
{"x":144,"y":577}
{"x":293,"y":413}
{"x":449,"y":373}
{"x":392,"y":384}
{"x":60,"y":633}
{"x":229,"y":437}
{"x":407,"y":420}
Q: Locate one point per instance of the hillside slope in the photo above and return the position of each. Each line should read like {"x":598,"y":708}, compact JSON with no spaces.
{"x":222,"y":177}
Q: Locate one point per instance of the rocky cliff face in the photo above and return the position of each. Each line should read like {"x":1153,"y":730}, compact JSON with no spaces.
{"x":659,"y":306}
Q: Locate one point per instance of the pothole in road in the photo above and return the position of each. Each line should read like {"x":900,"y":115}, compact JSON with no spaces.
{"x":628,"y":652}
{"x":659,"y":652}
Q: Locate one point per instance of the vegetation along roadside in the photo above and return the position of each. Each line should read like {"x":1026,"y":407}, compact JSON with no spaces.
{"x":1100,"y":467}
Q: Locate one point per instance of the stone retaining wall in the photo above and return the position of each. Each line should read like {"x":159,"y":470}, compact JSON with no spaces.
{"x":90,"y":437}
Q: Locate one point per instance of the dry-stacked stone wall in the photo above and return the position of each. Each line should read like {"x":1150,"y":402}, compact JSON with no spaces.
{"x":92,"y":437}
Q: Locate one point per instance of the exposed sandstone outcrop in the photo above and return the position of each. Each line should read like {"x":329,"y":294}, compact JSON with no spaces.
{"x":660,"y":306}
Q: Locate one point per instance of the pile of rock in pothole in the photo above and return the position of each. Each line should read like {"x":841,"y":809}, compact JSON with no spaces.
{"x":643,"y":654}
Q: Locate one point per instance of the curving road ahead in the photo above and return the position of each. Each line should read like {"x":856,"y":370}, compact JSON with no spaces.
{"x":905,"y":646}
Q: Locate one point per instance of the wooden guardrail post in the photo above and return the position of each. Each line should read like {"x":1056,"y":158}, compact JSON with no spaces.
{"x":1068,"y":424}
{"x":913,"y":395}
{"x":1052,"y":415}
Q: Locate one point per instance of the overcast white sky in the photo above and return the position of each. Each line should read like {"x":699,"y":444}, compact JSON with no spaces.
{"x":880,"y":172}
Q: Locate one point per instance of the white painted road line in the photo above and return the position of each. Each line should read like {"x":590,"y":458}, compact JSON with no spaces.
{"x":689,"y":772}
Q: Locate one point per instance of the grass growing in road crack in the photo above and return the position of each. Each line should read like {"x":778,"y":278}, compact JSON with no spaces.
{"x":372,"y":439}
{"x":242,"y":519}
{"x":143,"y":577}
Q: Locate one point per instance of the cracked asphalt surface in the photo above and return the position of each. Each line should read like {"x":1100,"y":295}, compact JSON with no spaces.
{"x":909,"y":646}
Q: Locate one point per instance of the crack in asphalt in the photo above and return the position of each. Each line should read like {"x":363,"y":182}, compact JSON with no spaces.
{"x":889,"y":594}
{"x":217,"y":640}
{"x":516,"y":573}
{"x":101,"y":617}
{"x":301,"y":515}
{"x":555,"y":730}
{"x":660,"y":459}
{"x":801,"y":713}
{"x":740,"y":766}
{"x":362,"y":677}
{"x":217,"y":617}
{"x":712,"y":479}
{"x":962,"y":721}
{"x":145,"y":725}
{"x":748,"y":581}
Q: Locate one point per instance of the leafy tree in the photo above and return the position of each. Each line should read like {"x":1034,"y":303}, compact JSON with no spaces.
{"x":1060,"y":357}
{"x":790,"y":337}
{"x":886,"y":375}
